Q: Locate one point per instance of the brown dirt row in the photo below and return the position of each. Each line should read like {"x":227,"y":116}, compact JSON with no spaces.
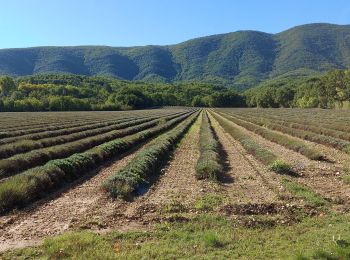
{"x":251,"y":181}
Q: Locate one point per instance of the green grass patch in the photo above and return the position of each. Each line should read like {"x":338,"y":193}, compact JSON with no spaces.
{"x":346,"y":178}
{"x":346,"y":175}
{"x":174,"y":206}
{"x":211,"y":239}
{"x":303,"y":192}
{"x":208,"y":202}
{"x":205,"y":237}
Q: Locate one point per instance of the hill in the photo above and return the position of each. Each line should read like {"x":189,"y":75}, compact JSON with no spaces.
{"x":241,"y":59}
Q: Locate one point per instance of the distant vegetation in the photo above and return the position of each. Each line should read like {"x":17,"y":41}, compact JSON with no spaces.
{"x":60,"y":92}
{"x":240,"y":59}
{"x":329,"y":90}
{"x":75,"y":93}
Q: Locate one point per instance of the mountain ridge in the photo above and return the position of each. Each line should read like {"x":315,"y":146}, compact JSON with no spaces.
{"x":241,"y":59}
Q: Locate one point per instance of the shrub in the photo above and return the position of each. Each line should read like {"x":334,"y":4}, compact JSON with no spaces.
{"x":280,"y":167}
{"x":35,"y":183}
{"x":208,"y":165}
{"x":138,"y":171}
{"x":20,"y":162}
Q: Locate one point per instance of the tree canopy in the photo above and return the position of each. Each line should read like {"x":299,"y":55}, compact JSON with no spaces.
{"x":54,"y":92}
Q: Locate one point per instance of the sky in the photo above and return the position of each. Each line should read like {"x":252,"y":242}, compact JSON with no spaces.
{"x":26,"y":23}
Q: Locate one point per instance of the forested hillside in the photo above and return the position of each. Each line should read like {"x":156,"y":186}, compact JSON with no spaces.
{"x":240,"y":59}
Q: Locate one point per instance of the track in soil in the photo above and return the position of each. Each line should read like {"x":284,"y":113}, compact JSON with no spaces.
{"x":252,"y":183}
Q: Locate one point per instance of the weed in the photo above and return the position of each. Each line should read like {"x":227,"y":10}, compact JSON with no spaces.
{"x":174,"y":206}
{"x":280,"y":167}
{"x":208,"y":202}
{"x":211,"y":239}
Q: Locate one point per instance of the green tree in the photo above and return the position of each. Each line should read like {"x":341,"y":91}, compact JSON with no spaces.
{"x":284,"y":96}
{"x":131,"y":98}
{"x":6,"y":85}
{"x":197,"y":101}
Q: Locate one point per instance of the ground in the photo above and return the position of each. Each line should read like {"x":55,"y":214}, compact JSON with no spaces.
{"x":249,"y":213}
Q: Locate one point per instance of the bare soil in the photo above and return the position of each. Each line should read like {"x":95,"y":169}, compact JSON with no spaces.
{"x":251,"y":181}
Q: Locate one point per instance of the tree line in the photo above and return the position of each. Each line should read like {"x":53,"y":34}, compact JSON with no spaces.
{"x":328,"y":90}
{"x":67,"y":92}
{"x":59,"y":92}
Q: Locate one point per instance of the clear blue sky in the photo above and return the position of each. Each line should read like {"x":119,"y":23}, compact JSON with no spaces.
{"x":25,"y":23}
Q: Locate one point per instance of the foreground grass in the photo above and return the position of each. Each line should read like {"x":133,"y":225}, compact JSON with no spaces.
{"x":205,"y":237}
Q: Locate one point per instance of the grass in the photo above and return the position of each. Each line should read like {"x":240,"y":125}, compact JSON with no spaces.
{"x":346,"y":175}
{"x":303,"y":192}
{"x":208,"y":202}
{"x":346,"y":178}
{"x":205,"y":237}
{"x":175,"y":206}
{"x":211,"y":239}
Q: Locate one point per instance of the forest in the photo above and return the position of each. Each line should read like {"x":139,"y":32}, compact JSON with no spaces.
{"x":69,"y":92}
{"x":82,"y":93}
{"x":327,"y":90}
